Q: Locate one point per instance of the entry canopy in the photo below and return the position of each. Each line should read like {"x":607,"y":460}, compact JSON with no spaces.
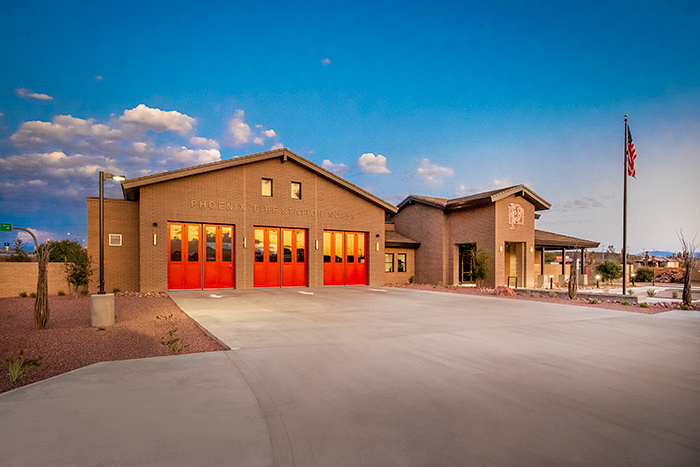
{"x":131,"y":187}
{"x":544,"y":239}
{"x":479,"y":199}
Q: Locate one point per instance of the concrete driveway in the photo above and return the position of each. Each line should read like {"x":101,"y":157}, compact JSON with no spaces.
{"x":361,"y":376}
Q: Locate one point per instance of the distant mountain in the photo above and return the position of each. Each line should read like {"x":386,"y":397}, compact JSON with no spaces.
{"x":666,"y":253}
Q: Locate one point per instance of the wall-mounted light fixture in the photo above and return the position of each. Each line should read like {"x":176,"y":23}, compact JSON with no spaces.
{"x":377,"y":246}
{"x":154,"y":239}
{"x":317,"y":244}
{"x":500,"y":248}
{"x":245,"y":243}
{"x":532,"y":250}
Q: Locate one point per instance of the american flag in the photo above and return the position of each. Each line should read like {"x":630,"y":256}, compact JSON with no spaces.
{"x":631,"y":155}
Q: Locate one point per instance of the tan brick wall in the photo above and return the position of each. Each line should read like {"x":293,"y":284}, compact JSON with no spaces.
{"x":524,"y":234}
{"x":401,"y":277}
{"x":471,"y":226}
{"x":121,"y":262}
{"x":426,"y":225}
{"x":233,"y":196}
{"x":22,"y":277}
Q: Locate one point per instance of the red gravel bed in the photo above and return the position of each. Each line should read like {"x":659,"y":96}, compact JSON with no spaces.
{"x":608,"y":305}
{"x":70,"y":342}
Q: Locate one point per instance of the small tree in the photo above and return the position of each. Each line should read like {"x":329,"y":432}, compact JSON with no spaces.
{"x":41,"y":304}
{"x":78,"y":269}
{"x":18,"y":254}
{"x":609,"y":271}
{"x":688,"y":257}
{"x":645,"y":274}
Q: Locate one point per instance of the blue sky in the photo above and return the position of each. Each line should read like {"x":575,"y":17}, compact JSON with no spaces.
{"x":442,"y":99}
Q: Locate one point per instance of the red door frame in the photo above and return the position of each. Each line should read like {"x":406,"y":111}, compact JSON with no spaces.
{"x":218,"y":258}
{"x":266,"y":269}
{"x":344,"y":258}
{"x":294,"y":257}
{"x":186,"y":267}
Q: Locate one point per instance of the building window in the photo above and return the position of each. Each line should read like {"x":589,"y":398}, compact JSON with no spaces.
{"x":388,"y":262}
{"x":267,"y":187}
{"x":296,"y":190}
{"x":401,"y":266}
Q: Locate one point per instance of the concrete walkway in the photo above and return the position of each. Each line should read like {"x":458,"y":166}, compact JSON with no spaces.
{"x":361,"y":376}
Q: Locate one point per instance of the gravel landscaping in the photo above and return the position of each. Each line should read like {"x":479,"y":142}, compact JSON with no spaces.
{"x":70,"y":342}
{"x":653,"y":308}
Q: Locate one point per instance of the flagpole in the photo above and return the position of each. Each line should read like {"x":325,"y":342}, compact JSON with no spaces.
{"x":624,"y":219}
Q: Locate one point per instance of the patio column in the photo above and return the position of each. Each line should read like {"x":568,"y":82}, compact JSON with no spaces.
{"x":563,"y":261}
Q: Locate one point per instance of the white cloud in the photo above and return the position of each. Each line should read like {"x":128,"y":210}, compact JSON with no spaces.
{"x":463,"y":190}
{"x":370,"y":164}
{"x":269,"y":133}
{"x":258,"y":140}
{"x":326,"y":61}
{"x":204,"y":142}
{"x":99,"y":78}
{"x":432,"y":172}
{"x":339,"y":169}
{"x":189,"y":157}
{"x":27,"y":93}
{"x":277,"y":146}
{"x":158,"y":120}
{"x":238,"y":131}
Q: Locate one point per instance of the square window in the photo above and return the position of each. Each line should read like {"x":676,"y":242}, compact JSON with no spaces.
{"x":388,"y":262}
{"x":267,"y":187}
{"x":296,"y":190}
{"x":115,"y":239}
{"x":401,"y":266}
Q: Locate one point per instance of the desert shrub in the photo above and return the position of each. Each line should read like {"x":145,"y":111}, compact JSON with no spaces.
{"x":17,"y":368}
{"x":626,"y":303}
{"x":651,"y":293}
{"x":593,"y":301}
{"x":674,"y":294}
{"x":33,"y":294}
{"x":645,"y":274}
{"x":643,"y":305}
{"x":23,"y":294}
{"x":115,"y":290}
{"x":61,"y":293}
{"x":609,"y":271}
{"x":684,"y":306}
{"x":410,"y":280}
{"x":482,"y":263}
{"x":552,"y":293}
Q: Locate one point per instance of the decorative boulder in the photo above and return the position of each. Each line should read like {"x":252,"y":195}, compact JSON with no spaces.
{"x":503,"y":290}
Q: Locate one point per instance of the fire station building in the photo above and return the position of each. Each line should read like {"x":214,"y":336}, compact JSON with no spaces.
{"x":272,"y":219}
{"x":275,"y":219}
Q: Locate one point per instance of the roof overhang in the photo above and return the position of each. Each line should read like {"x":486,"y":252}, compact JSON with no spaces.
{"x":544,"y":239}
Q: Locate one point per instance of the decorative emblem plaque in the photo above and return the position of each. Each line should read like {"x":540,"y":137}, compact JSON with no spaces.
{"x":516,"y":216}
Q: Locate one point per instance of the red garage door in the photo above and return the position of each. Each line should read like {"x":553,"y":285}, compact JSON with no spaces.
{"x":196,"y":264}
{"x":270,"y":269}
{"x":344,"y":258}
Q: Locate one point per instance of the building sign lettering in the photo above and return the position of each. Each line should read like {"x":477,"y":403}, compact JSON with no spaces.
{"x":516,"y":216}
{"x":267,"y":209}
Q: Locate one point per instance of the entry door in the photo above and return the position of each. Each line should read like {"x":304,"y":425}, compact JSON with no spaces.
{"x":184,"y":262}
{"x":467,"y":258}
{"x":218,"y":257}
{"x":294,"y":258}
{"x":266,"y":272}
{"x":355,"y":261}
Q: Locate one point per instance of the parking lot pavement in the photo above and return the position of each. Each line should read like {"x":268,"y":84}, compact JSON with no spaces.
{"x":363,"y":376}
{"x":354,"y":376}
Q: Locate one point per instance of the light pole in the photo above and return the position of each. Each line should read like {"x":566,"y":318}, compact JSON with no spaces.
{"x":103,"y":177}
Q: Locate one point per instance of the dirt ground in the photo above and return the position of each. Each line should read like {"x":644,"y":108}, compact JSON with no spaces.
{"x":70,"y":342}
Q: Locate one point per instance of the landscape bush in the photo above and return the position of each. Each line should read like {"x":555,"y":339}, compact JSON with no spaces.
{"x":645,"y":274}
{"x":609,"y":271}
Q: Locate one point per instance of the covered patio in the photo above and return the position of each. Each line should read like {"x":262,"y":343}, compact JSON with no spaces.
{"x":549,"y":241}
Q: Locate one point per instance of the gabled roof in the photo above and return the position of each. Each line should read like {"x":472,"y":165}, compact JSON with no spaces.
{"x":478,"y":199}
{"x":553,"y":240}
{"x":131,"y":187}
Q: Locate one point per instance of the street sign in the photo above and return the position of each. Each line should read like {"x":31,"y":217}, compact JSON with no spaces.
{"x":5,"y":227}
